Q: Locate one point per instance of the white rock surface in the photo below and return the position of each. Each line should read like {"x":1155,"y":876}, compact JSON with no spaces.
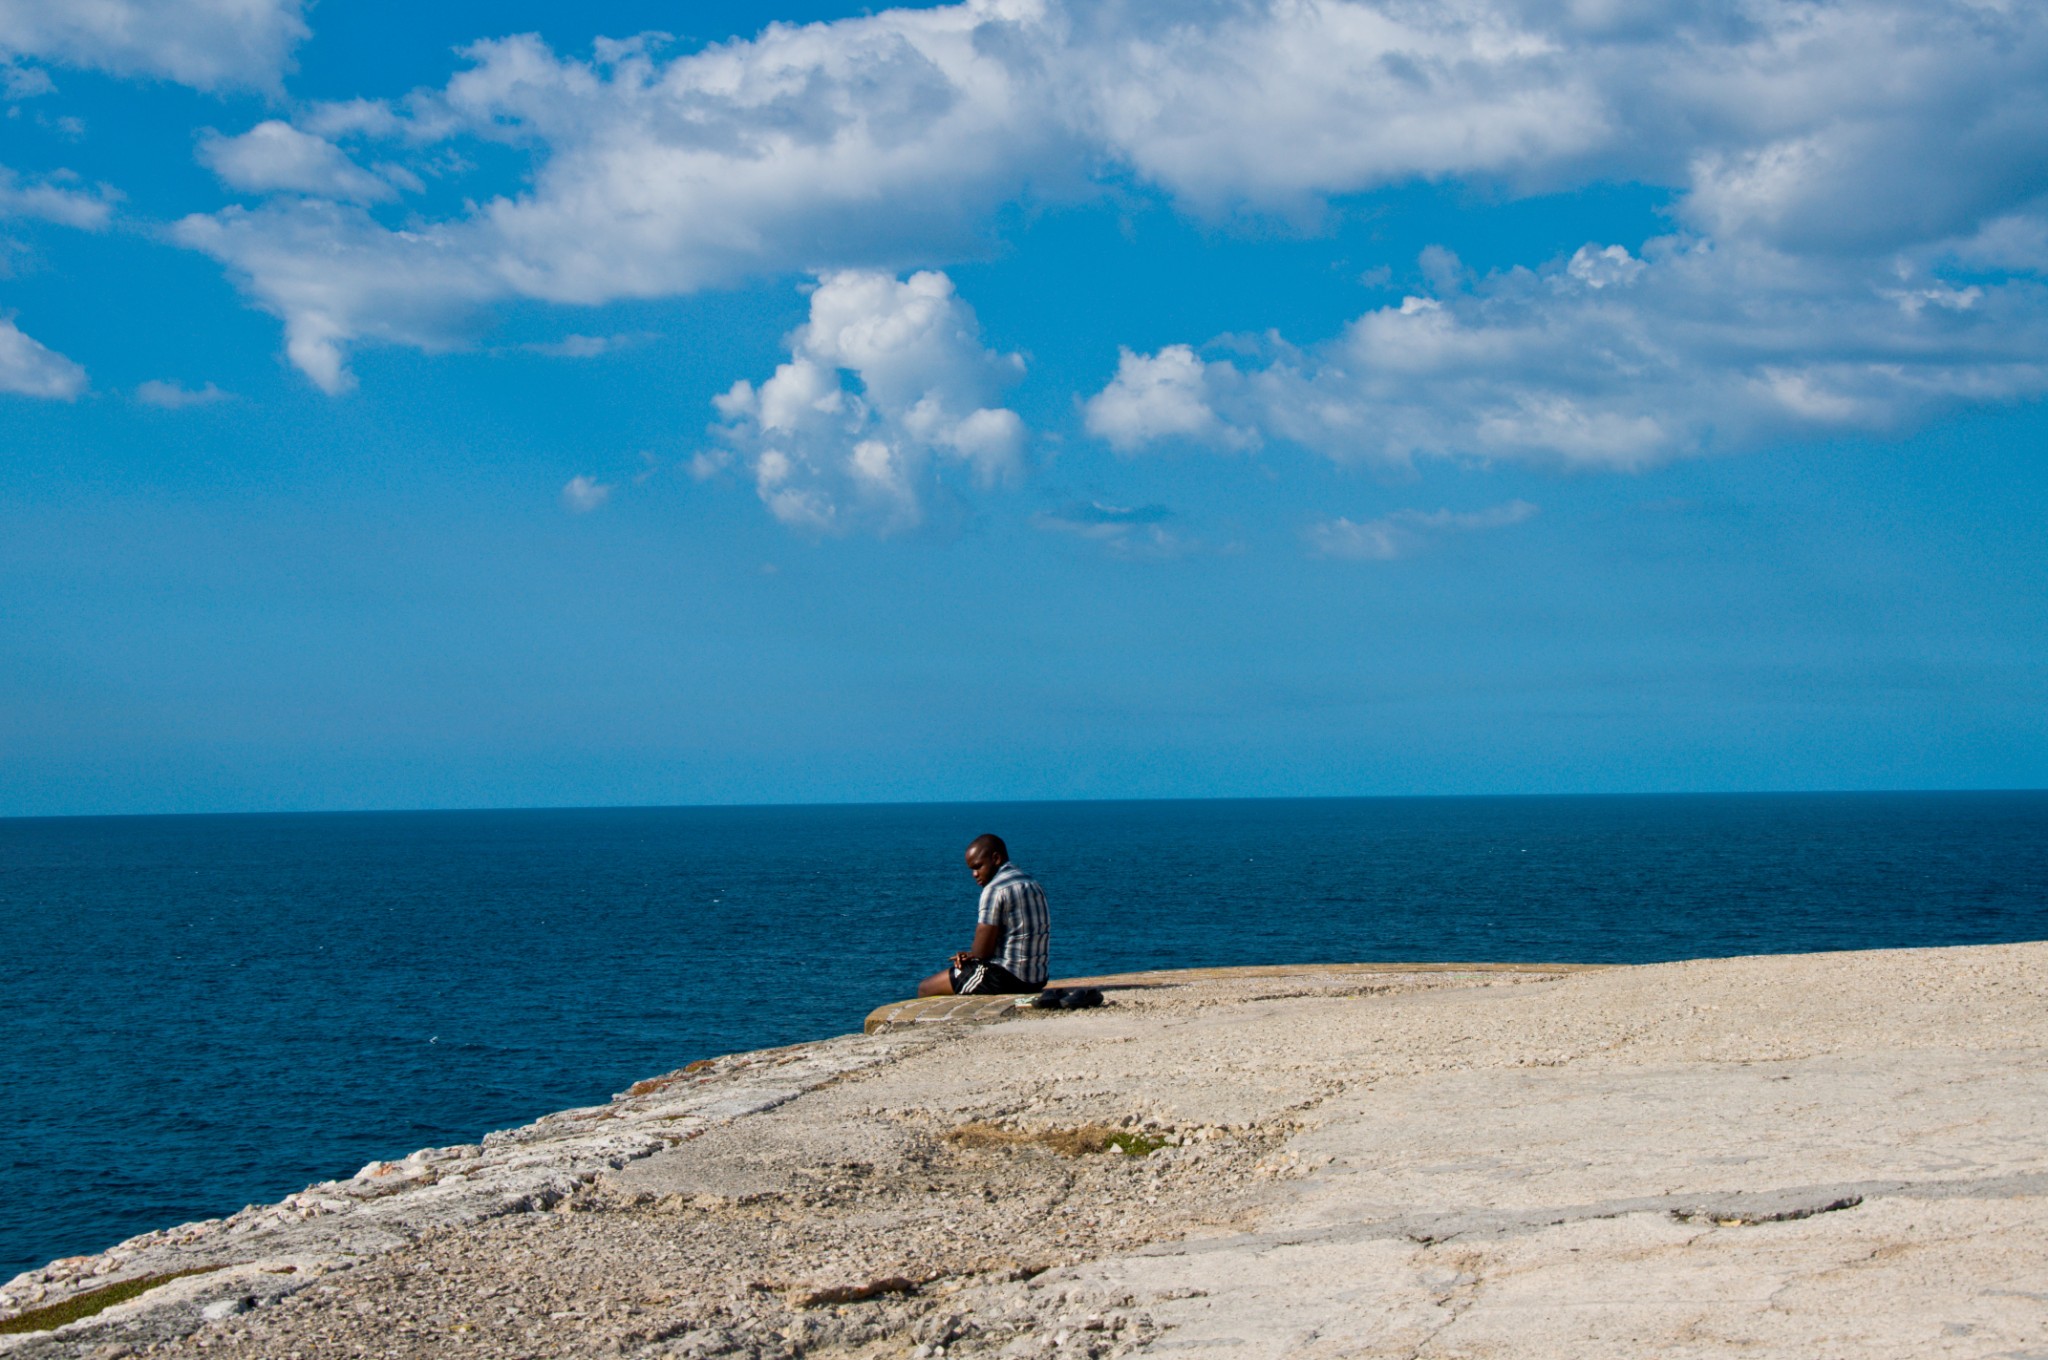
{"x":1812,"y":1156}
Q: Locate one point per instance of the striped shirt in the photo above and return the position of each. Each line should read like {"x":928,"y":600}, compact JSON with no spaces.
{"x":1014,"y":901}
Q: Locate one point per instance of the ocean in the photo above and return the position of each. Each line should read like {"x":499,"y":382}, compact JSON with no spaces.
{"x":197,"y":1013}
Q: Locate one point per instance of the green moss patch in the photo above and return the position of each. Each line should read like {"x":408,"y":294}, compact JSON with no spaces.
{"x":1136,"y":1144}
{"x":91,"y":1302}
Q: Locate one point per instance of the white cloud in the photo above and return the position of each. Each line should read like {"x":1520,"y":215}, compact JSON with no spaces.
{"x":587,"y":346}
{"x":1160,"y":397}
{"x":172,"y":396}
{"x":1605,"y":267}
{"x":56,"y":198}
{"x":276,"y":157}
{"x":328,"y":272}
{"x":29,"y":369}
{"x":1617,"y":361}
{"x":865,"y":143}
{"x":708,"y":463}
{"x":25,"y":82}
{"x":1799,"y":138}
{"x":2013,"y":241}
{"x":1274,"y":103}
{"x":207,"y":44}
{"x":1405,"y":531}
{"x":584,"y":494}
{"x":833,"y":458}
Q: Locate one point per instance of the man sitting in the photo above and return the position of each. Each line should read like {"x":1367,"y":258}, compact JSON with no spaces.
{"x":1011,"y":930}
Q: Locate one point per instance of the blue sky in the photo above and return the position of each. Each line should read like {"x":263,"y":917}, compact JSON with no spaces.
{"x":464,"y":405}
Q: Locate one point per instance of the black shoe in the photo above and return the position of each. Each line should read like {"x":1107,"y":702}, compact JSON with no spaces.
{"x":1080,"y":999}
{"x":1051,"y":999}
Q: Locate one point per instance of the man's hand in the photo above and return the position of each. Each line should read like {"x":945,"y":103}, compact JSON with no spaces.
{"x":988,"y":944}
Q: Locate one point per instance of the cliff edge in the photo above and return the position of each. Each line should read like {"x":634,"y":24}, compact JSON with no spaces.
{"x":1780,"y":1156}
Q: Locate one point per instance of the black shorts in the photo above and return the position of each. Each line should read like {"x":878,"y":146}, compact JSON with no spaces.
{"x":988,"y":979}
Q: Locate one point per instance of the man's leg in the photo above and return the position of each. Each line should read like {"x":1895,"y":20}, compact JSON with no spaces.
{"x":938,"y":984}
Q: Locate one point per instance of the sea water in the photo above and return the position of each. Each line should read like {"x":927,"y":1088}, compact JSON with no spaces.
{"x":202,"y":1012}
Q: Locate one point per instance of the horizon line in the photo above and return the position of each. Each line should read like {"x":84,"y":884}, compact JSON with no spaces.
{"x":1015,"y":802}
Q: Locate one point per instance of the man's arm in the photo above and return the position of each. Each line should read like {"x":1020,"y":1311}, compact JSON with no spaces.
{"x":988,"y":942}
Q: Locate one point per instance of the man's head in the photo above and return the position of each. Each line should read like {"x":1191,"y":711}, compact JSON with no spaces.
{"x":985,"y":856}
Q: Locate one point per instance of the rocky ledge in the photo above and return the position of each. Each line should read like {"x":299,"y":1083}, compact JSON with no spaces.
{"x":1797,"y":1156}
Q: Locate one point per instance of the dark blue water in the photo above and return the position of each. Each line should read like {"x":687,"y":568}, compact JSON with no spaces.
{"x":202,"y":1012}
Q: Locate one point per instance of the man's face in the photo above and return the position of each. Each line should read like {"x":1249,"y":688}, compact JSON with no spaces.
{"x":982,"y":865}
